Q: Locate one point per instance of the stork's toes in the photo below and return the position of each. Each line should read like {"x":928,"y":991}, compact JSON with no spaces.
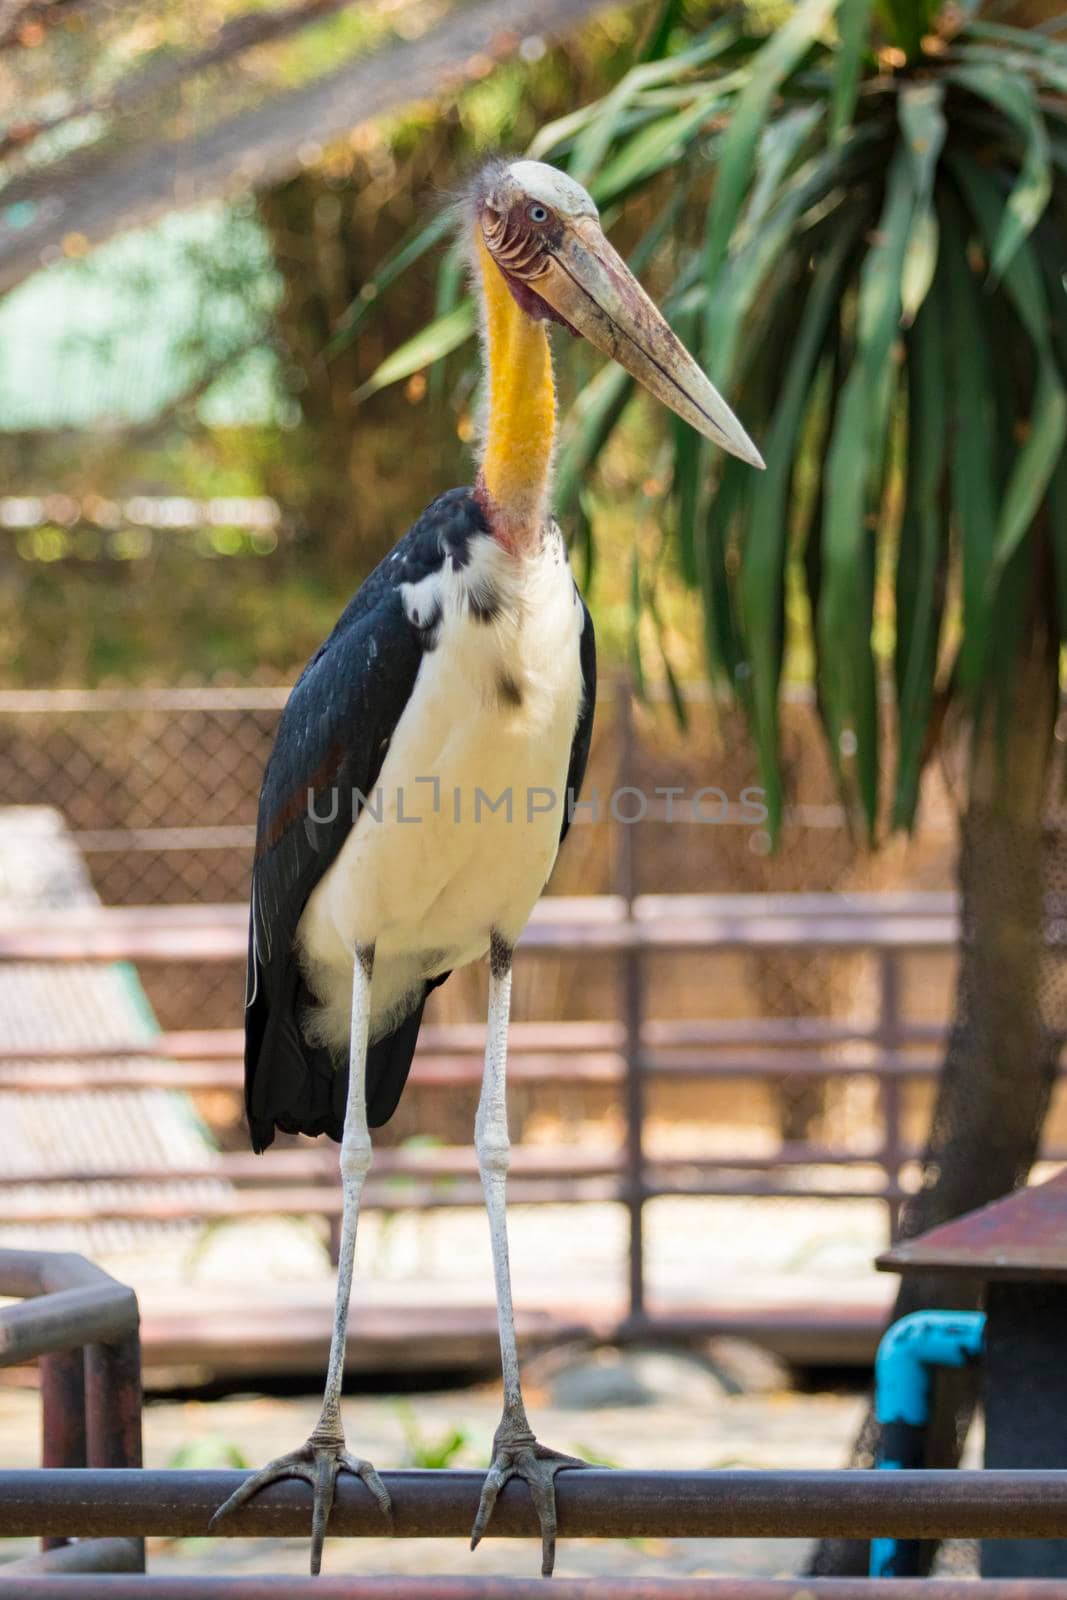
{"x":537,"y":1465}
{"x":318,"y":1462}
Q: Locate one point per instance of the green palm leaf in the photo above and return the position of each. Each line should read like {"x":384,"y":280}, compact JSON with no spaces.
{"x":773,"y":62}
{"x":853,"y":23}
{"x":846,"y":618}
{"x":1037,"y":461}
{"x":869,"y":264}
{"x":592,"y":145}
{"x":418,"y":242}
{"x":922,"y":123}
{"x":763,"y":557}
{"x":439,"y":338}
{"x":1030,"y":195}
{"x":922,"y":552}
{"x":1046,"y":426}
{"x":968,"y":379}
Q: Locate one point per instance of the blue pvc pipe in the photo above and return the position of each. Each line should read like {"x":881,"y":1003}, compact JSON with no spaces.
{"x":902,"y":1385}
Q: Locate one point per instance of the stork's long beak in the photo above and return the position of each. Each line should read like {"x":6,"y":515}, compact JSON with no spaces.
{"x":590,"y":285}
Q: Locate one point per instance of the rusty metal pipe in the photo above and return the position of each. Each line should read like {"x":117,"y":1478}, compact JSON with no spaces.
{"x":113,"y":1399}
{"x":79,"y":1555}
{"x":98,"y":1313}
{"x":24,"y":1273}
{"x":67,"y":1302}
{"x":62,"y":1414}
{"x":85,"y":1329}
{"x":361,"y":1588}
{"x":21,"y":1273}
{"x":592,"y":1504}
{"x":63,"y":1410}
{"x":113,"y":1402}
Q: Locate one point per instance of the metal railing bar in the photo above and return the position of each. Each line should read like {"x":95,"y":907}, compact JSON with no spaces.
{"x":57,"y":1321}
{"x":33,"y":1272}
{"x":84,"y":1328}
{"x":450,"y":1039}
{"x":157,"y":841}
{"x":437,"y":1045}
{"x":33,"y":1077}
{"x":874,"y":912}
{"x":639,"y":1051}
{"x":710,"y":1188}
{"x":320,"y":1164}
{"x":455,"y":1041}
{"x":156,"y":1073}
{"x":799,"y":1033}
{"x":59,"y":1063}
{"x":888,"y":1064}
{"x":61,"y":1270}
{"x":583,"y":924}
{"x":561,"y":913}
{"x":268,"y":697}
{"x":754,"y":906}
{"x":59,"y":702}
{"x":594,"y":1503}
{"x":102,"y":939}
{"x":428,"y":1195}
{"x":207,"y":837}
{"x":647,"y":1588}
{"x":77,"y":1556}
{"x":28,"y":1073}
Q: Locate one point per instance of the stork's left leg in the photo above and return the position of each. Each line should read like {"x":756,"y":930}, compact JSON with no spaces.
{"x":516,"y":1452}
{"x":324,"y":1455}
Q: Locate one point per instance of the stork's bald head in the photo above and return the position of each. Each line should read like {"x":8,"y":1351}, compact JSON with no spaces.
{"x":542,"y":231}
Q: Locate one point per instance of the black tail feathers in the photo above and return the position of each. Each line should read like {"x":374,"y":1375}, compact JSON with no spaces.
{"x":297,"y":1087}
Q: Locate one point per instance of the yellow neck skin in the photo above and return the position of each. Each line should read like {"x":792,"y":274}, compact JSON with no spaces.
{"x":517,"y":454}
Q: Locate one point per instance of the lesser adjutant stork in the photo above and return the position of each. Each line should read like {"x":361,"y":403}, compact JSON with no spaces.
{"x":464,"y":668}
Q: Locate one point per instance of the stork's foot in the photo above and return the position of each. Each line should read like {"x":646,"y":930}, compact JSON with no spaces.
{"x":517,"y":1454}
{"x":319,"y":1461}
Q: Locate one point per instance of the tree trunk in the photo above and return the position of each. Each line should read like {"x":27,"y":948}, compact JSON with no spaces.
{"x":1000,"y":1063}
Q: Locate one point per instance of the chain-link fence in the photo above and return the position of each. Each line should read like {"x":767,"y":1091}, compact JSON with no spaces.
{"x":159,"y":788}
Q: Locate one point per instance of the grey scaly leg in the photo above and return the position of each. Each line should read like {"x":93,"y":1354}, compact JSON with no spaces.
{"x":324,"y":1454}
{"x":516,"y":1451}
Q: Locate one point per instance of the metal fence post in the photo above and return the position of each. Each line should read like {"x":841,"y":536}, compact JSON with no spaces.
{"x":889,"y":1035}
{"x":631,"y":977}
{"x":63,"y":1442}
{"x":113,"y":1401}
{"x":84,"y":1330}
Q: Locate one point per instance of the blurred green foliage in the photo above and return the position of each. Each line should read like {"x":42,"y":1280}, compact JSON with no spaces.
{"x":852,"y":211}
{"x":154,"y":349}
{"x":858,"y":216}
{"x":422,"y":1451}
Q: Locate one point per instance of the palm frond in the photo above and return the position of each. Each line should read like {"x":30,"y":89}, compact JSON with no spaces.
{"x":868,"y":259}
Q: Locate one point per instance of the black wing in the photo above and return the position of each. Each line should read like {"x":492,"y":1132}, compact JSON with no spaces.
{"x":331,"y":741}
{"x":583,"y":732}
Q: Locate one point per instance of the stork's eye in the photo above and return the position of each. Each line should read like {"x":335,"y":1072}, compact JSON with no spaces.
{"x":537,"y":213}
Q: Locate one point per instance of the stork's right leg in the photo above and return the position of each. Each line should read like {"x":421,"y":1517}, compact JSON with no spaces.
{"x":324,"y":1455}
{"x":516,"y":1450}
